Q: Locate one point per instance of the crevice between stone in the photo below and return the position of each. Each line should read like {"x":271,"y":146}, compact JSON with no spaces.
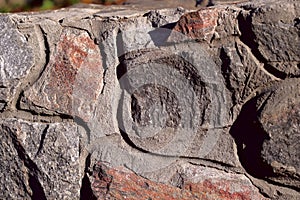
{"x":38,"y":192}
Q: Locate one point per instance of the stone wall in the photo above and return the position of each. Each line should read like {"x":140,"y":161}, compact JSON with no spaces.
{"x":125,"y":102}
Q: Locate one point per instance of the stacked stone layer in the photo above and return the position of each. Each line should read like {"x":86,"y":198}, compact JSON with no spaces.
{"x":128,"y":103}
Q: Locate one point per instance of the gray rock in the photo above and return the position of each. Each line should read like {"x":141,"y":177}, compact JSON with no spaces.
{"x":280,"y":119}
{"x":63,"y":84}
{"x":14,"y":174}
{"x":16,"y":59}
{"x":274,"y":32}
{"x":46,"y":160}
{"x":152,"y":91}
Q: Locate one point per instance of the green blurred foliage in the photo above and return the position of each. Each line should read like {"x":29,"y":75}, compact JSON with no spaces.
{"x":33,"y":5}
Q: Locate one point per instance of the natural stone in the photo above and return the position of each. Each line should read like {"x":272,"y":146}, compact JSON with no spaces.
{"x":195,"y":183}
{"x":46,"y":160}
{"x":275,"y":35}
{"x":280,"y":119}
{"x":64,"y":85}
{"x":14,"y":175}
{"x":16,"y":60}
{"x":133,"y":102}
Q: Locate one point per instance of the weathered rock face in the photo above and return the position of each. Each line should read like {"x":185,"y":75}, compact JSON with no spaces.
{"x":192,"y":182}
{"x":129,"y":103}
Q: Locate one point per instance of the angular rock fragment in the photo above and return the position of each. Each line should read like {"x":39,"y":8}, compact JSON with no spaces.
{"x":72,"y":80}
{"x":271,"y":31}
{"x":46,"y":160}
{"x":199,"y":25}
{"x":16,"y":59}
{"x":195,"y":183}
{"x":243,"y":73}
{"x":215,"y":23}
{"x":14,"y":183}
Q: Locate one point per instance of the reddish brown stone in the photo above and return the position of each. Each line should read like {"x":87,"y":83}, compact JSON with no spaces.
{"x":198,"y":183}
{"x":209,"y":23}
{"x":73,"y":79}
{"x":200,"y":24}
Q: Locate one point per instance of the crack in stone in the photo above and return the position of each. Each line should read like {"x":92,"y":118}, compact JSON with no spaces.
{"x":43,"y":136}
{"x":247,"y":39}
{"x":86,"y":191}
{"x":255,"y":185}
{"x":38,"y":192}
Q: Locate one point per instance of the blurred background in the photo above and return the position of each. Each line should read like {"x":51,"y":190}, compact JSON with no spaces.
{"x":39,"y":5}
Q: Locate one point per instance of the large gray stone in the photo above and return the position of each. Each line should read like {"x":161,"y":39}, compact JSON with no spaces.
{"x":16,"y":59}
{"x":272,"y":31}
{"x":45,"y":160}
{"x":14,"y":174}
{"x":72,"y":80}
{"x":280,"y":119}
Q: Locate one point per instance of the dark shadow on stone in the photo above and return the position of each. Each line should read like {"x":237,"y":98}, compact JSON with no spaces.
{"x":199,"y":2}
{"x":36,"y":187}
{"x":86,"y":192}
{"x":38,"y":192}
{"x":121,"y":69}
{"x":249,"y":38}
{"x":275,"y":71}
{"x":169,"y":26}
{"x":249,"y":137}
{"x":160,"y":36}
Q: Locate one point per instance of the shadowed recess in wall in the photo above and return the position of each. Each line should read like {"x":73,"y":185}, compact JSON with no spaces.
{"x":249,"y":138}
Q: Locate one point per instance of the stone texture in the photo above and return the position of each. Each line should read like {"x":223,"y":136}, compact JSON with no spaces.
{"x":73,"y":80}
{"x":154,"y":90}
{"x":243,"y":74}
{"x":195,"y":183}
{"x":129,"y":102}
{"x":275,"y":34}
{"x":280,"y":119}
{"x":199,"y":25}
{"x":45,"y":161}
{"x":14,"y":175}
{"x":16,"y":59}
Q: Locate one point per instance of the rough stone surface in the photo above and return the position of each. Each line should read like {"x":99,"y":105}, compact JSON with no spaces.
{"x":133,"y":102}
{"x":280,"y":119}
{"x":16,"y":59}
{"x":46,"y":160}
{"x":73,"y":80}
{"x":14,"y":175}
{"x":275,"y":33}
{"x":194,"y":183}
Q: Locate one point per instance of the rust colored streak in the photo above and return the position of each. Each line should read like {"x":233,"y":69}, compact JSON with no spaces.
{"x":69,"y":58}
{"x":120,"y":183}
{"x":218,"y":190}
{"x":76,"y":66}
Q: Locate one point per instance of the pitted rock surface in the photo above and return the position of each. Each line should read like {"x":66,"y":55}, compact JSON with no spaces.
{"x":48,"y":157}
{"x":151,"y":101}
{"x":72,"y":82}
{"x":16,"y":60}
{"x":194,"y":183}
{"x":280,"y":119}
